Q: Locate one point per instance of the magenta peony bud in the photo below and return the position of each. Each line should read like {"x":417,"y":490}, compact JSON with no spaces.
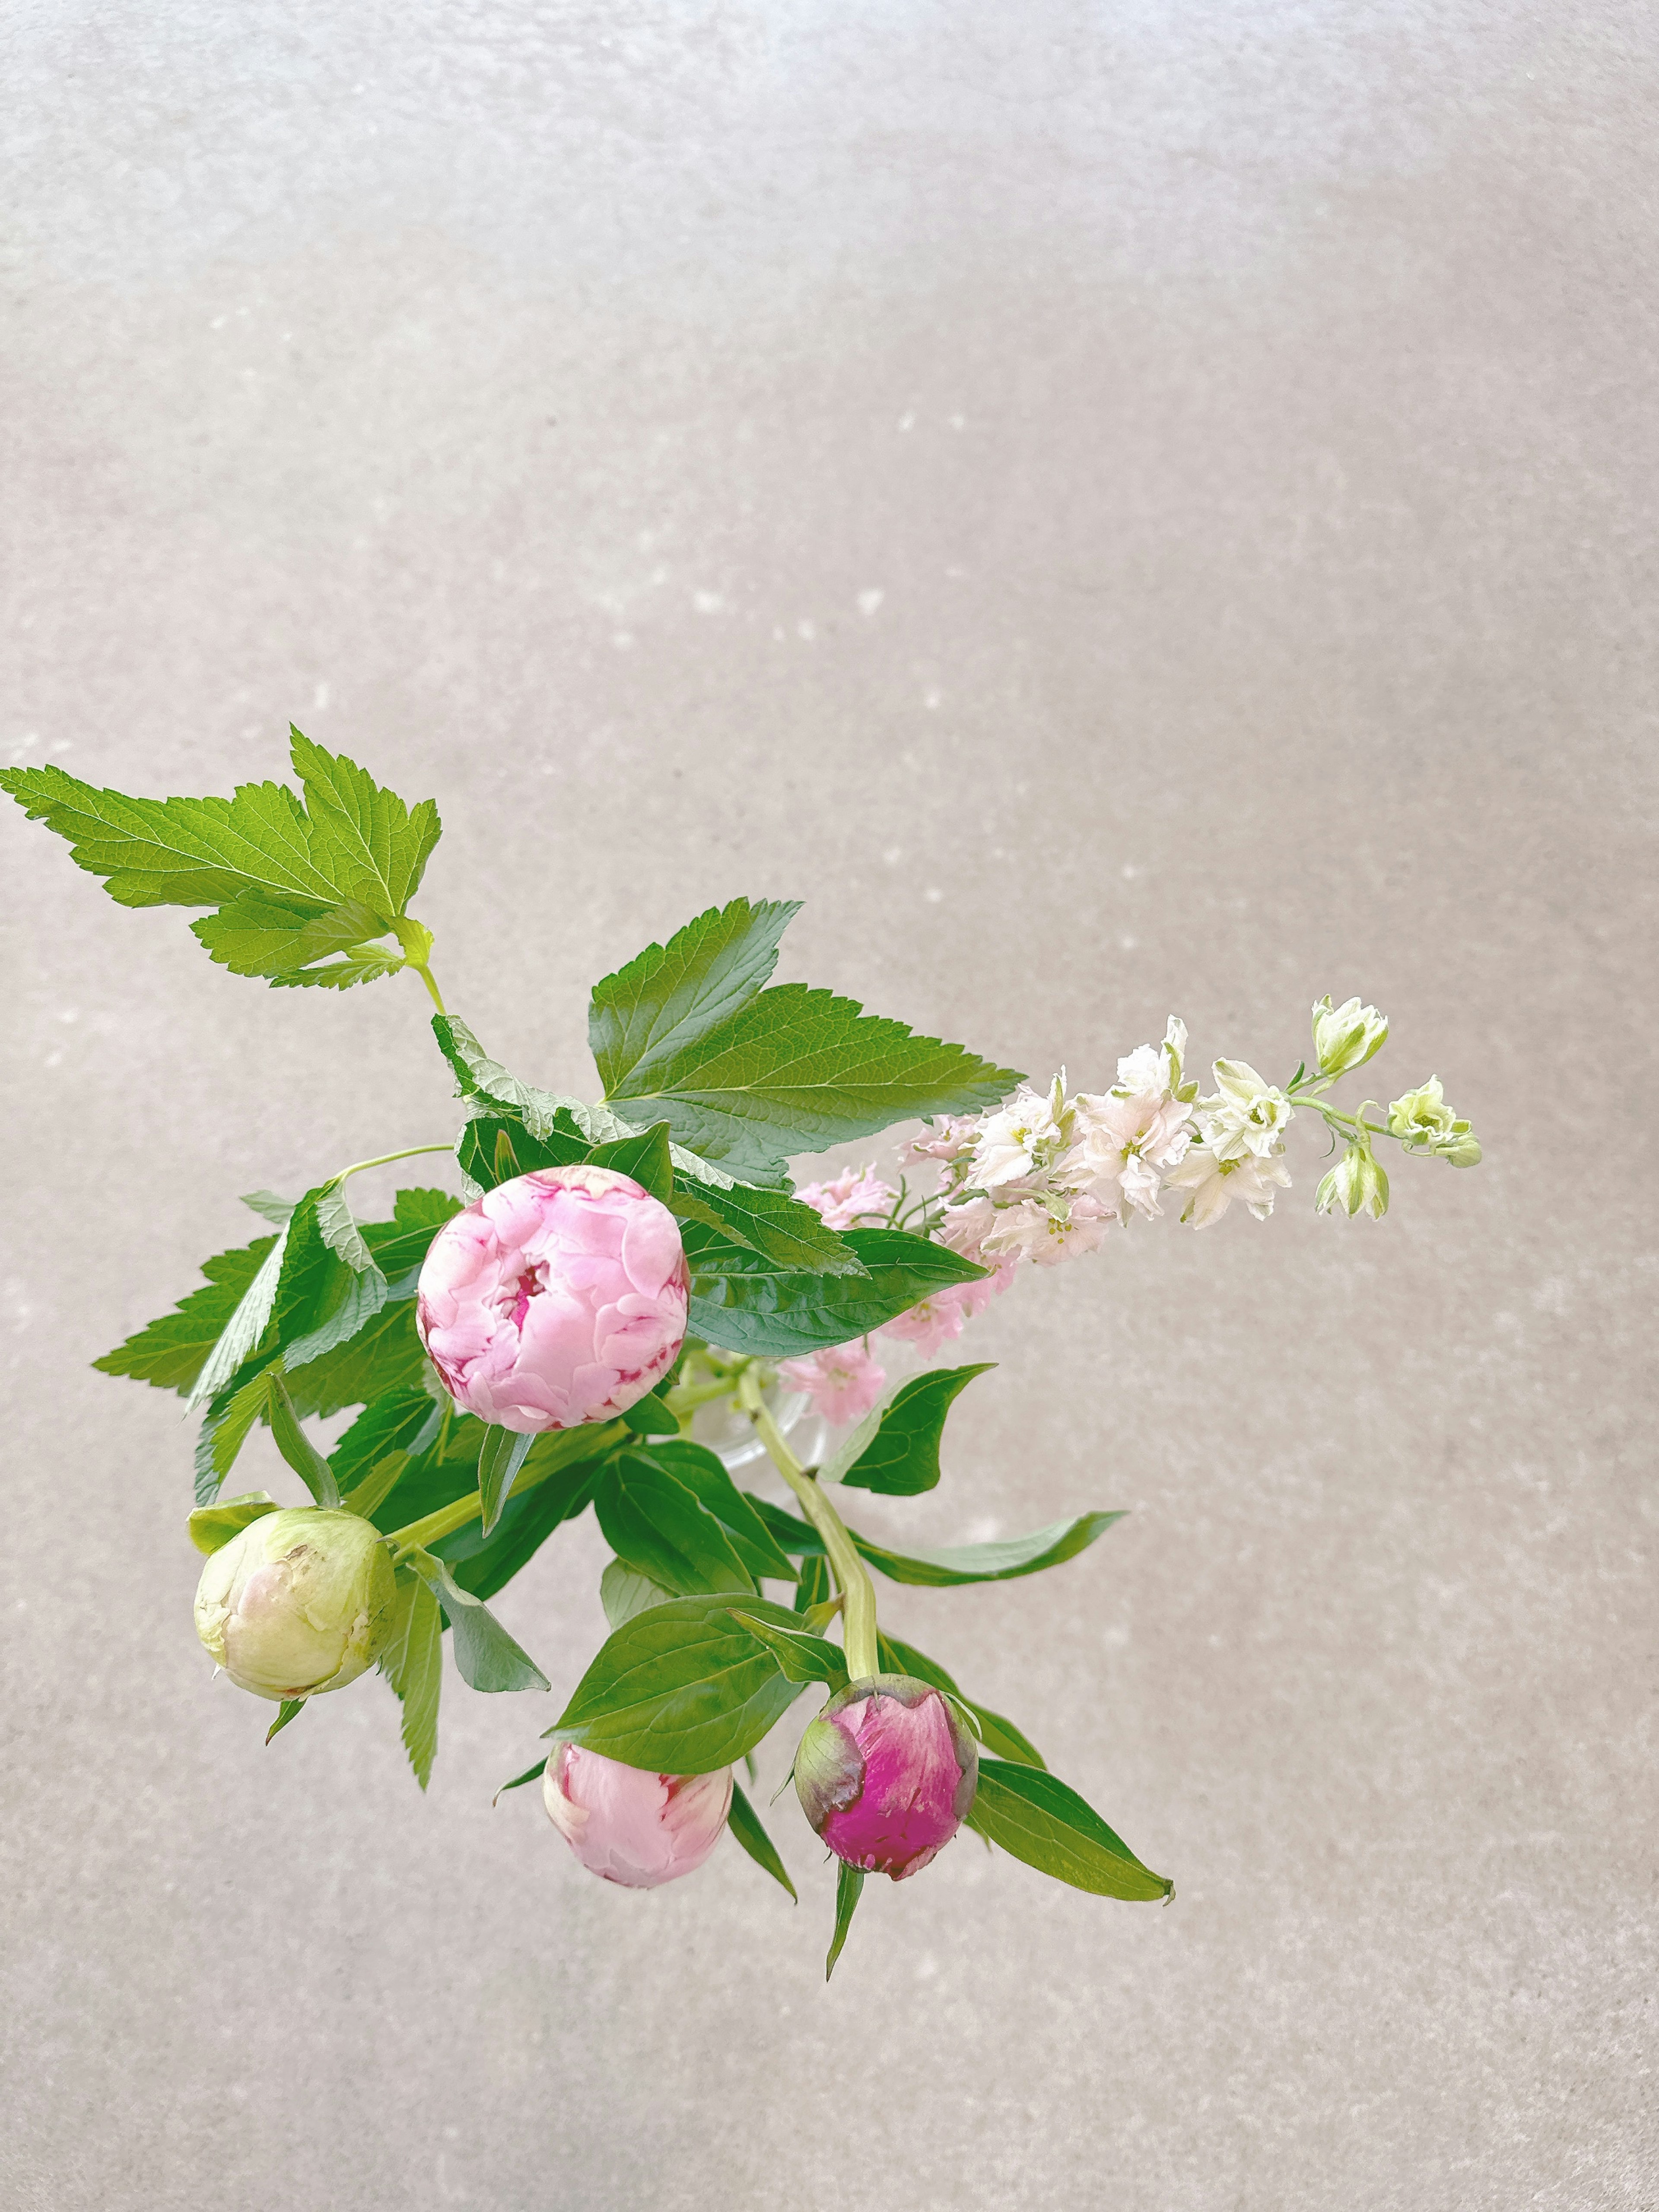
{"x":628,"y":1826}
{"x":559,"y":1297}
{"x":886,"y":1773}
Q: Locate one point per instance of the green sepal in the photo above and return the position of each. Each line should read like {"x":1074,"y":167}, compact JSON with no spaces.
{"x":744,"y":1822}
{"x":290,"y":1709}
{"x":1036,"y":1817}
{"x":849,"y":1887}
{"x":531,"y":1774}
{"x":212,"y":1527}
{"x":902,"y":1459}
{"x":649,"y":1417}
{"x":291,"y":1440}
{"x":995,"y":1733}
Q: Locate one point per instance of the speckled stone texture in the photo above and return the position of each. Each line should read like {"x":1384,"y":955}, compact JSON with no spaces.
{"x":1119,"y":510}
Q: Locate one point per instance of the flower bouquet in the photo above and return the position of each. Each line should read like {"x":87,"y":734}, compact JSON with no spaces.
{"x":622,"y":1284}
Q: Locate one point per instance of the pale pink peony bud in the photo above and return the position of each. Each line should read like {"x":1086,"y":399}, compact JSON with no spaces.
{"x":886,"y":1773}
{"x":628,"y":1826}
{"x":559,"y":1297}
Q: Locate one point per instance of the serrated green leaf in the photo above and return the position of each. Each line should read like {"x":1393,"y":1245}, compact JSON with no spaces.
{"x":257,"y":935}
{"x":849,"y":1887}
{"x":226,"y":1427}
{"x":801,"y":1656}
{"x":374,"y":848}
{"x":377,"y":1357}
{"x":403,"y":1243}
{"x":782,"y":1231}
{"x":1036,"y":1817}
{"x":412,"y":1662}
{"x":169,"y":1353}
{"x":366,"y":965}
{"x":486,"y":1655}
{"x":668,"y":996}
{"x":1001,"y":1562}
{"x":212,"y":1527}
{"x":656,"y":1525}
{"x":645,"y":1157}
{"x":680,"y":1689}
{"x":391,"y":1424}
{"x":501,"y":1453}
{"x":995,"y":1733}
{"x":245,"y":1326}
{"x":902,"y":1459}
{"x":269,"y":1206}
{"x":744,"y":1822}
{"x":796,"y":1069}
{"x":493,"y":1148}
{"x":481,"y":1077}
{"x":338,"y":1227}
{"x":743,"y":1303}
{"x":376,"y":1486}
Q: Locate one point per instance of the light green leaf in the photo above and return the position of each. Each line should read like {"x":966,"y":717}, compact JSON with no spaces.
{"x":849,"y":1887}
{"x":170,"y":1352}
{"x":796,"y":1071}
{"x":211,"y":1527}
{"x":372,"y":1493}
{"x":365,"y":965}
{"x":1037,"y":1818}
{"x":623,"y":1593}
{"x":745,"y":1825}
{"x":339,"y":1228}
{"x":501,"y":1453}
{"x":1001,"y":1562}
{"x":269,"y":1206}
{"x":245,"y":1328}
{"x":296,"y":1446}
{"x":744,"y":1302}
{"x":486,"y":1655}
{"x":902,"y":1459}
{"x":680,"y":1689}
{"x":375,"y":848}
{"x":225,"y":1430}
{"x":257,"y":935}
{"x":656,"y":1006}
{"x":412,"y":1663}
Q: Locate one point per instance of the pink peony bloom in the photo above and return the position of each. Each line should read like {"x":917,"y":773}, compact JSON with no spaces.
{"x":628,"y":1826}
{"x":559,"y":1297}
{"x":886,"y":1774}
{"x":856,"y":1195}
{"x":843,"y":1382}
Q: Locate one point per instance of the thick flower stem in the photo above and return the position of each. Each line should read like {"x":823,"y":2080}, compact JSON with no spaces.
{"x":857,"y":1590}
{"x":434,"y":1527}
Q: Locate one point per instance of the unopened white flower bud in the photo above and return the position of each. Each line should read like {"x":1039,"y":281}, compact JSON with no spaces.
{"x":1356,"y":1183}
{"x":1347,"y":1035}
{"x":299,"y":1603}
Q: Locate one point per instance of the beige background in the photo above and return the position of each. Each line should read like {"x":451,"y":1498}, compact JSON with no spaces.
{"x":1120,"y":509}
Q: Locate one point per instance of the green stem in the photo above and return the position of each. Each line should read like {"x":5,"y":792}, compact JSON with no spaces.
{"x":386,"y":1160}
{"x":426,"y":976}
{"x":857,"y":1590}
{"x":434,"y":1526}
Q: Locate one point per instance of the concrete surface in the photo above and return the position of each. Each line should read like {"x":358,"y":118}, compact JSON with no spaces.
{"x":1120,"y":509}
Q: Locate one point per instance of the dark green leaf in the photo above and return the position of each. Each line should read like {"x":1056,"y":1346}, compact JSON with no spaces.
{"x":494,"y":1148}
{"x":801,"y":1655}
{"x":813,"y":1585}
{"x":1037,"y":1818}
{"x":902,"y":1459}
{"x":795,"y":1070}
{"x":1000,"y":1562}
{"x":849,"y":1887}
{"x":655,"y":1525}
{"x":296,"y":1446}
{"x":649,"y":1013}
{"x":553,"y":1488}
{"x":531,"y":1774}
{"x":745,"y":1823}
{"x":649,"y":1417}
{"x":743,"y":1303}
{"x":481,"y":1078}
{"x":996,"y":1734}
{"x":680,"y":1689}
{"x":645,"y":1157}
{"x":412,"y":1663}
{"x":486,"y":1655}
{"x":404,"y":1241}
{"x":225,"y":1429}
{"x":779,"y":1227}
{"x":213,"y":1526}
{"x":391,"y":1424}
{"x":501,"y":1453}
{"x":705,"y":1476}
{"x":289,"y":1709}
{"x":364,"y":1296}
{"x":383,"y":1358}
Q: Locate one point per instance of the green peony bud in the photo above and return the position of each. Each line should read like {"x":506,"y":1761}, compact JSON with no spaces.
{"x":1424,"y":1123}
{"x":299,"y":1603}
{"x":1347,"y":1035}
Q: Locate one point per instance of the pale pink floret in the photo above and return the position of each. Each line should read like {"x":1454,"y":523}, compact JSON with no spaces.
{"x":908,"y":1807}
{"x":631,"y":1827}
{"x":937,"y":1319}
{"x":558,"y":1297}
{"x":855,"y":1195}
{"x":843,"y":1382}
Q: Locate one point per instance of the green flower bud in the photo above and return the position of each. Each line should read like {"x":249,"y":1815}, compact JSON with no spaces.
{"x":1347,"y":1035}
{"x":1424,"y":1123}
{"x":1356,"y":1183}
{"x":299,"y":1603}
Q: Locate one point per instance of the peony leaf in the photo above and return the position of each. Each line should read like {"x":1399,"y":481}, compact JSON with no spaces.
{"x":1001,"y":1562}
{"x":744,"y":1302}
{"x":902,"y":1459}
{"x":744,"y":1822}
{"x":486,"y":1655}
{"x":501,"y":1453}
{"x":656,"y":1525}
{"x":1036,"y":1817}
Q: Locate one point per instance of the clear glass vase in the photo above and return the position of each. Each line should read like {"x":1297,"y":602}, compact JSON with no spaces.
{"x":730,"y":1433}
